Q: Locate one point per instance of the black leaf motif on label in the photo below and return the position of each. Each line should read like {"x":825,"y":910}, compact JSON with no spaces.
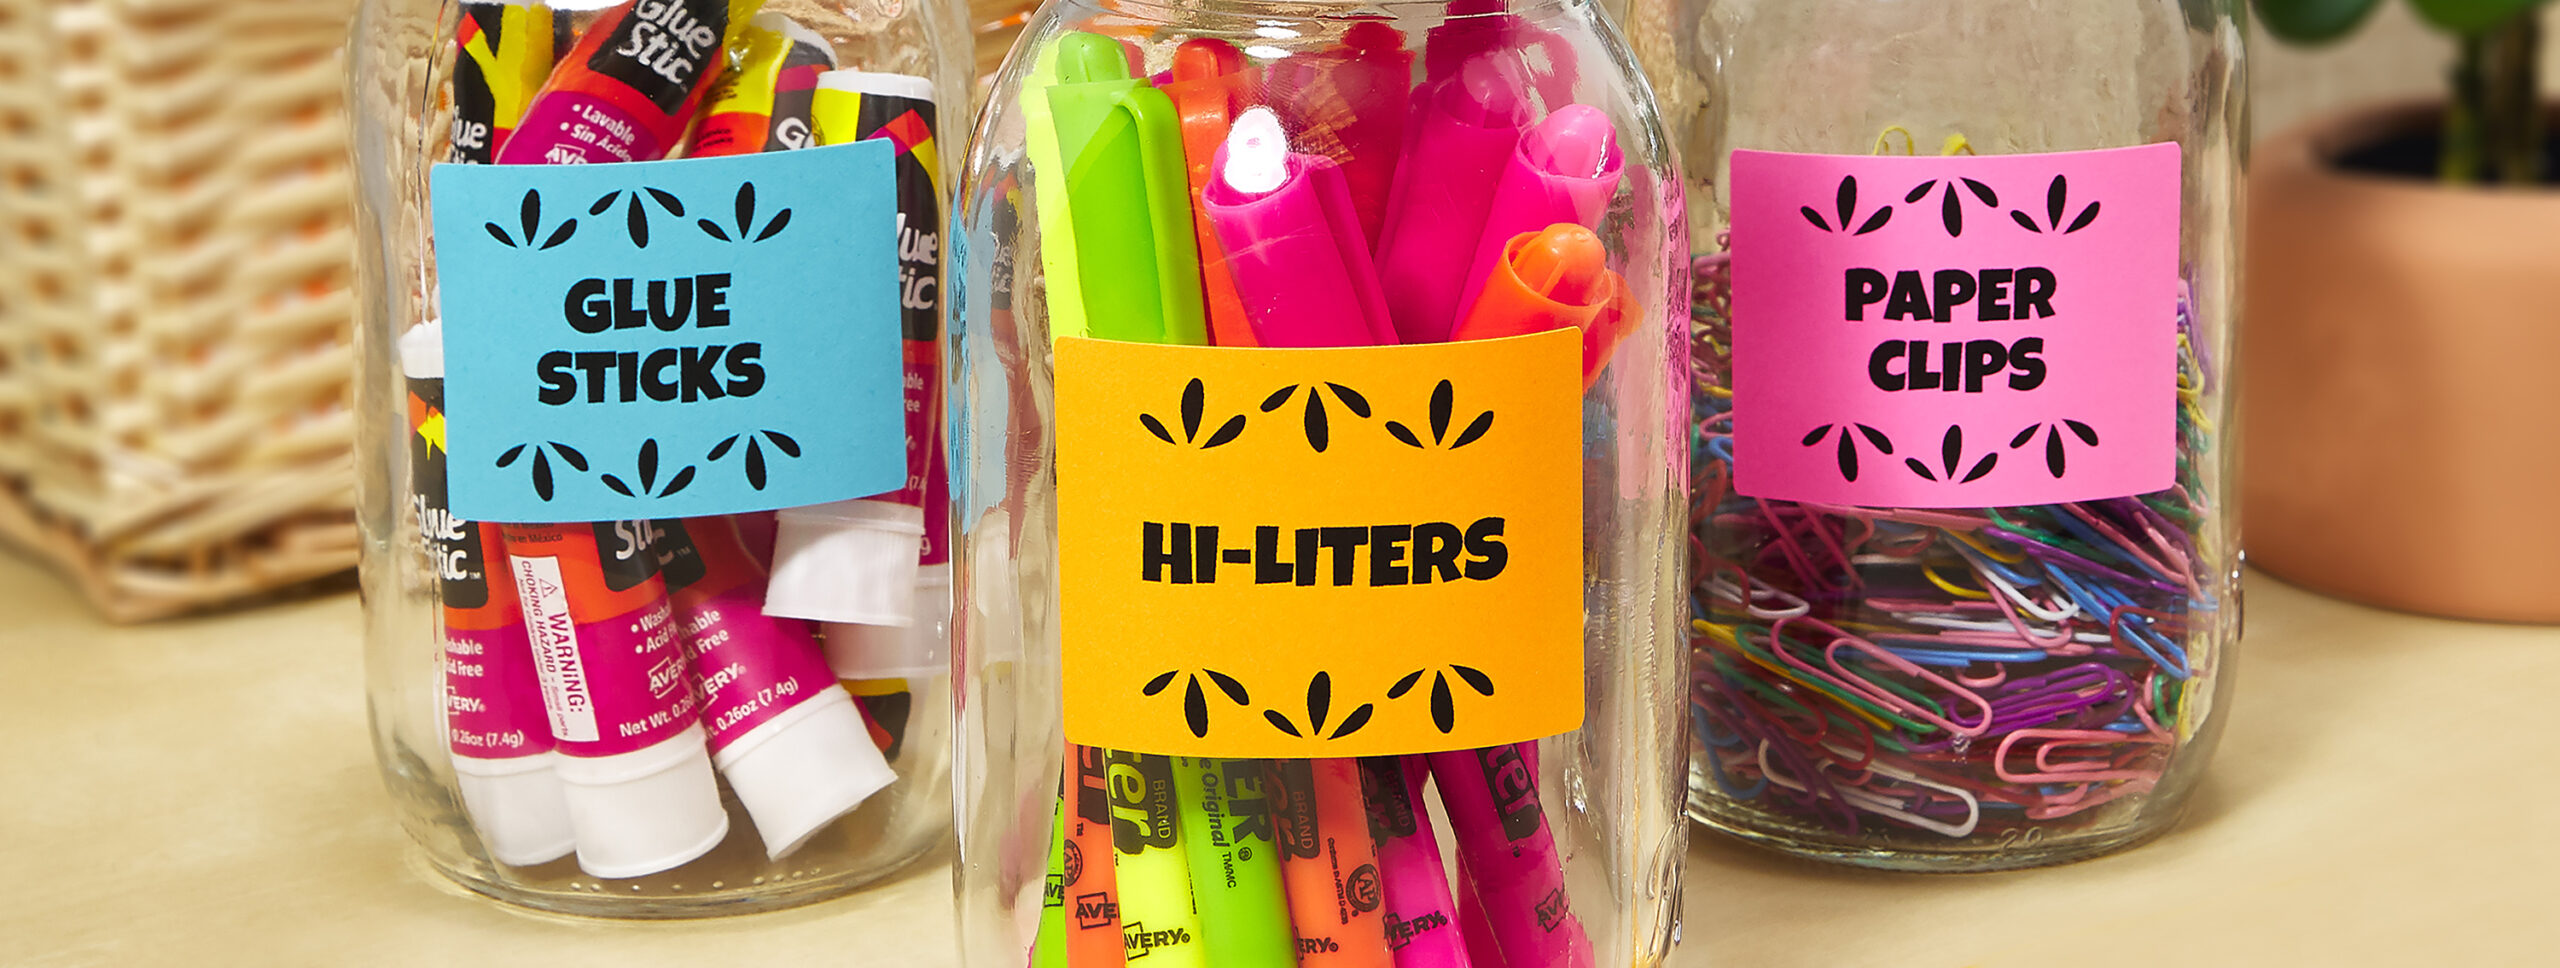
{"x":1847,"y":448}
{"x":743,"y":209}
{"x":754,"y":466}
{"x":1195,"y":700}
{"x":1443,"y":700}
{"x":529,"y":219}
{"x":1950,"y":457}
{"x":645,"y":466}
{"x":1443,"y":409}
{"x":1319,"y":710}
{"x":1192,"y":410}
{"x":545,"y":480}
{"x":2056,"y":446}
{"x":2057,"y":203}
{"x":1845,"y":207}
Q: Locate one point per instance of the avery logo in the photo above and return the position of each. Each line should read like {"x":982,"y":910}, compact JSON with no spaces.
{"x":1402,"y":931}
{"x":1140,"y":942}
{"x":1553,"y":909}
{"x":1054,"y":893}
{"x":1096,"y":910}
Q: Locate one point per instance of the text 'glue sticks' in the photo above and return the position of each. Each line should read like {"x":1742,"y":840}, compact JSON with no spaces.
{"x":1555,"y":278}
{"x":493,"y":716}
{"x":1509,"y":856}
{"x":1107,"y":166}
{"x":1093,"y":937}
{"x":1235,"y":870}
{"x":1465,"y":128}
{"x":630,"y":86}
{"x":791,"y":743}
{"x":1211,"y":84}
{"x":762,"y":102}
{"x":504,"y":51}
{"x":1285,"y":221}
{"x":1421,"y":918}
{"x":1329,"y":863}
{"x":615,"y":684}
{"x":877,"y":570}
{"x":1563,"y":172}
{"x":1158,"y":919}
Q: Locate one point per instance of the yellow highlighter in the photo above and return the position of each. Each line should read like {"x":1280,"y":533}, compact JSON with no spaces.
{"x":1157,"y":918}
{"x":1113,"y":196}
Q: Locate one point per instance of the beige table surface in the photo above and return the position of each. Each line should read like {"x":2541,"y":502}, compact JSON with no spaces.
{"x":202,"y":793}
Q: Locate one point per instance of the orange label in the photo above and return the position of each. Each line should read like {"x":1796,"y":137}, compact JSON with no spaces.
{"x":1320,"y":552}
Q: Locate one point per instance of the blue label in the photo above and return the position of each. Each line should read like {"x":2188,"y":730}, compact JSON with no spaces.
{"x":670,"y":338}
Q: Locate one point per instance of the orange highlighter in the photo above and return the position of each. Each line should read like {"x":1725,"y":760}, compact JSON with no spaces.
{"x":1211,"y":84}
{"x":1553,"y":278}
{"x":1330,"y":865}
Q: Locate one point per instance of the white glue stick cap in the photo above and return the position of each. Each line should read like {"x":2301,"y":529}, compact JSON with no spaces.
{"x":846,"y":561}
{"x":645,"y":811}
{"x":920,"y":649}
{"x":422,"y":351}
{"x":804,"y":768}
{"x":517,"y":806}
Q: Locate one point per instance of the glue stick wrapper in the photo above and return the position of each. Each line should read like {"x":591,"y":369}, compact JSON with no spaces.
{"x":1510,"y":855}
{"x":762,"y":102}
{"x":493,"y":715}
{"x":502,"y":54}
{"x":615,"y":685}
{"x":792,"y":745}
{"x":877,"y":569}
{"x":630,"y":86}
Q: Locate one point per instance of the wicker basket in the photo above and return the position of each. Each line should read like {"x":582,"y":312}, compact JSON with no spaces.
{"x":174,"y":270}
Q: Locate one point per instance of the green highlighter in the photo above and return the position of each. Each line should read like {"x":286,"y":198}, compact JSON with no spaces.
{"x":1049,"y":948}
{"x":1114,"y":203}
{"x":1235,"y":866}
{"x":1158,"y":919}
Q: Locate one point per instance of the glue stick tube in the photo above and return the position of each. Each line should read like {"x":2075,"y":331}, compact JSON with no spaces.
{"x":794,"y":748}
{"x":637,"y":776}
{"x":1421,"y":918}
{"x":1092,"y":890}
{"x":1491,"y":796}
{"x":877,"y":569}
{"x":503,"y":53}
{"x":493,"y":716}
{"x":762,"y":102}
{"x":630,"y":86}
{"x":1329,"y":863}
{"x":1158,"y":921}
{"x":1235,"y":868}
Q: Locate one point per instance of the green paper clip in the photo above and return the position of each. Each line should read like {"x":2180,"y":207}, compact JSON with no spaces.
{"x":1113,"y":200}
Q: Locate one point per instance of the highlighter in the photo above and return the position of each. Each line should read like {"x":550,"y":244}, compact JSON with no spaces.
{"x":633,"y":764}
{"x":1554,"y":278}
{"x":1158,"y":920}
{"x":1329,"y":863}
{"x":1421,"y":919}
{"x":1210,"y":83}
{"x":1235,"y":867}
{"x":505,"y":52}
{"x":1465,"y":129}
{"x":1563,"y":172}
{"x":762,"y":103}
{"x":1114,"y":202}
{"x":1509,"y":855}
{"x":630,"y":86}
{"x":1348,"y":104}
{"x":1292,"y":240}
{"x":1093,"y":938}
{"x":1049,"y":945}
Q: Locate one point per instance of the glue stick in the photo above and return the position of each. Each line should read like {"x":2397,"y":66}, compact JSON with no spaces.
{"x":762,"y":102}
{"x":877,"y":570}
{"x":794,"y":748}
{"x":493,"y":716}
{"x":503,"y":52}
{"x":615,"y":685}
{"x":630,"y":86}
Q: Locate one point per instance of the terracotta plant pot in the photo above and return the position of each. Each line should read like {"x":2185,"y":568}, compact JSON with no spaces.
{"x":2401,"y":394}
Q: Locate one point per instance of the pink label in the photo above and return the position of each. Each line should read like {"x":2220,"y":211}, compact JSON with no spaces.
{"x":613,"y":686}
{"x":1958,"y":331}
{"x":567,"y":127}
{"x":750,"y":666}
{"x":493,"y":702}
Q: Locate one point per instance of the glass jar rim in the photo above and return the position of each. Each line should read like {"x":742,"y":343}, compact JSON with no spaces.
{"x":1212,"y":12}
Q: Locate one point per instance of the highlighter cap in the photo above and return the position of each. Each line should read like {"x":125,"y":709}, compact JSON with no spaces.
{"x":846,"y":561}
{"x":804,"y":768}
{"x":645,"y":811}
{"x":517,"y":806}
{"x":920,"y":649}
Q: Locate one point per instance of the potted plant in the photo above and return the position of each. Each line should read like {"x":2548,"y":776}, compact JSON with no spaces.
{"x":2402,"y":355}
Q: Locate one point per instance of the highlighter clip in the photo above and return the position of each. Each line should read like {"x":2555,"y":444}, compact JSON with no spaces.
{"x":1114,"y":200}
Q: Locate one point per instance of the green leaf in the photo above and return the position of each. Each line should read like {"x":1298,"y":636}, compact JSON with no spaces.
{"x":2471,"y":16}
{"x":2313,"y":21}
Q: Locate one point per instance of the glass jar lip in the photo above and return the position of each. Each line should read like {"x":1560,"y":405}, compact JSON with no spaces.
{"x":1214,"y":12}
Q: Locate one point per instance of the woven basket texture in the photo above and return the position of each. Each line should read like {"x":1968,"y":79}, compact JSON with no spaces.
{"x":175,"y":421}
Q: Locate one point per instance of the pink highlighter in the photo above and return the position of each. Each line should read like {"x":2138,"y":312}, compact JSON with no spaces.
{"x":1422,"y":920}
{"x":1563,"y":172}
{"x":1465,"y":128}
{"x":1509,"y":856}
{"x":1292,"y":241}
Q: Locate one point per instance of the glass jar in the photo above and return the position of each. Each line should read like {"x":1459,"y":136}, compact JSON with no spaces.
{"x":1272,"y":577}
{"x":655,"y":560}
{"x":1968,"y":574}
